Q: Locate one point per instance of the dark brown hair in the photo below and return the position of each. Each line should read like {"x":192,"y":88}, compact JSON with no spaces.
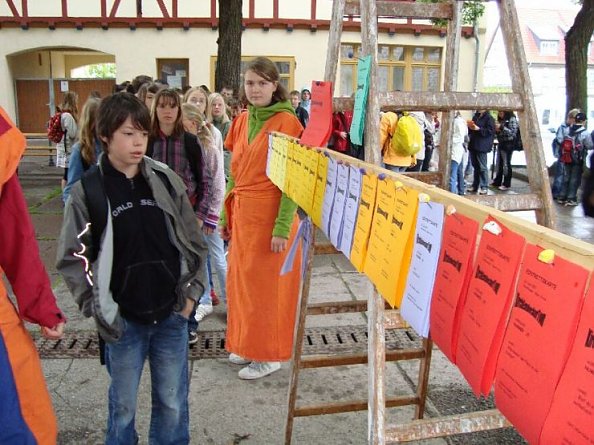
{"x":113,"y":112}
{"x":266,"y":69}
{"x":167,"y":96}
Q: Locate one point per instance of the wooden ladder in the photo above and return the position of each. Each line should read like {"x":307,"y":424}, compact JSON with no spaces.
{"x":447,"y":101}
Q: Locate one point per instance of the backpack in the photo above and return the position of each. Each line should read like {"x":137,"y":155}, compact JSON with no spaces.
{"x":518,"y":144}
{"x":55,"y":133}
{"x":572,"y":149}
{"x":407,"y":139}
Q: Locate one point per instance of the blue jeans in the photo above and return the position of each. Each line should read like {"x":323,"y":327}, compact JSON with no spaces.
{"x":558,"y":179}
{"x":165,"y":344}
{"x":394,"y":168}
{"x":216,"y":255}
{"x":504,"y":168}
{"x":572,"y":178}
{"x":481,"y":172}
{"x":456,"y":178}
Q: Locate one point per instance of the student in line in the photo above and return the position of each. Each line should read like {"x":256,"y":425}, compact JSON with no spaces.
{"x":216,"y":114}
{"x":147,"y":272}
{"x":261,"y":223}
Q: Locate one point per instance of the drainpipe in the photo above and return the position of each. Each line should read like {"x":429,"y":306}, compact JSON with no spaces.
{"x":476,"y":55}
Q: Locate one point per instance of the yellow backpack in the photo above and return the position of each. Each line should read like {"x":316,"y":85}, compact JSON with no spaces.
{"x":407,"y":139}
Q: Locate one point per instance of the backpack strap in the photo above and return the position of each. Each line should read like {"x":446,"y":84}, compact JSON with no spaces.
{"x":194,"y":154}
{"x":96,"y":200}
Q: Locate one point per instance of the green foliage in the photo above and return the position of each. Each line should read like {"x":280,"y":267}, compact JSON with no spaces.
{"x":471,"y":11}
{"x":98,"y":71}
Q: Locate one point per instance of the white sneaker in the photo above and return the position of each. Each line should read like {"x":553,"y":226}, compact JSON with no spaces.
{"x":203,"y":311}
{"x":256,"y":370}
{"x":238,"y":359}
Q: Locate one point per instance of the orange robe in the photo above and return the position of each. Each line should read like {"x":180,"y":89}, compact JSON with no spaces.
{"x":261,"y":303}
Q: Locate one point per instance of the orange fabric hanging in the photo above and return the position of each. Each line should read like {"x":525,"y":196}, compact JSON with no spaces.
{"x":261,"y":303}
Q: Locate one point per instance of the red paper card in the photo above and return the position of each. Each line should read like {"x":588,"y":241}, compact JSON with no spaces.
{"x":571,"y":417}
{"x":318,"y":130}
{"x":487,"y":305}
{"x":543,"y":319}
{"x":451,"y":281}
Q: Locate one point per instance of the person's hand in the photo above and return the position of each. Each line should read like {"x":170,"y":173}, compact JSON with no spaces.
{"x":343,"y":134}
{"x":54,"y":333}
{"x":225,"y":233}
{"x":278,"y":244}
{"x":200,"y":223}
{"x":207,"y":230}
{"x":188,"y":308}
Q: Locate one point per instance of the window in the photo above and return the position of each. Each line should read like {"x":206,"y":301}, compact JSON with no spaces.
{"x":549,"y":48}
{"x":175,"y":72}
{"x":285,"y":66}
{"x":404,"y":68}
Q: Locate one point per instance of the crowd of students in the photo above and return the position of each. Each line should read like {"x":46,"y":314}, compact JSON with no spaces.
{"x":157,"y":182}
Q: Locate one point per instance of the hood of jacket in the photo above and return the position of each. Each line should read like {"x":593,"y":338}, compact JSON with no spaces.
{"x":12,"y":146}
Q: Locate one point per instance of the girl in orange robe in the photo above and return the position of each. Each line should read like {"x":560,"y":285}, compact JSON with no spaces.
{"x":261,"y":223}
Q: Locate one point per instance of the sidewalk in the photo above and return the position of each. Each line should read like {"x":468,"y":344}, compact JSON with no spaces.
{"x":224,"y":409}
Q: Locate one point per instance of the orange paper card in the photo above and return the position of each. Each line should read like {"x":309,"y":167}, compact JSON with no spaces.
{"x":364,"y":219}
{"x":544,"y":317}
{"x":451,"y":281}
{"x":571,"y":416}
{"x":487,"y":304}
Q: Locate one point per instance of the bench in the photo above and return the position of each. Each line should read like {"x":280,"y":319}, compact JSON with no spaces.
{"x":39,"y":145}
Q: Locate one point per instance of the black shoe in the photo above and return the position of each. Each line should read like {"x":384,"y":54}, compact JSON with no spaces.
{"x":192,"y":337}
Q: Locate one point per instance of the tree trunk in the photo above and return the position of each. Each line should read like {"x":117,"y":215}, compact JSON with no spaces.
{"x":227,"y":72}
{"x":577,"y":40}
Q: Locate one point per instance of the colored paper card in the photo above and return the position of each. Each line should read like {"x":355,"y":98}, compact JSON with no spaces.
{"x":342,"y":188}
{"x":320,"y":189}
{"x":318,"y":130}
{"x":272,"y":164}
{"x":299,"y":174}
{"x":390,"y":244}
{"x":291,"y":177}
{"x":311,"y":166}
{"x":358,"y":124}
{"x":451,"y":281}
{"x":416,"y":301}
{"x":364,"y":219}
{"x":270,"y":159}
{"x":571,"y":417}
{"x":399,"y":251}
{"x":281,"y":165}
{"x":544,"y":314}
{"x":487,"y":305}
{"x":331,"y":176}
{"x":350,"y":211}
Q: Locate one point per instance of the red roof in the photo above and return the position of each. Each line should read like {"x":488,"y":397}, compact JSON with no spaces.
{"x":547,"y":24}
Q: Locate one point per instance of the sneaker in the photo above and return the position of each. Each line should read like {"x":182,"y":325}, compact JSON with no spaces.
{"x":561,"y":200}
{"x":471,"y":190}
{"x":202,"y":311}
{"x":238,"y":359}
{"x":503,"y":188}
{"x":192,"y":337}
{"x":483,"y":191}
{"x":571,"y":203}
{"x":256,"y":370}
{"x":214,"y":297}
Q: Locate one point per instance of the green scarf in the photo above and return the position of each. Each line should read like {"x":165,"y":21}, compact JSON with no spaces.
{"x":258,"y":116}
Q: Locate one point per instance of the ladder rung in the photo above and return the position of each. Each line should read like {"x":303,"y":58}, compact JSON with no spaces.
{"x":393,"y":320}
{"x":324,"y":361}
{"x":446,"y":426}
{"x":337,"y":307}
{"x":509,"y":203}
{"x":325,"y":249}
{"x":439,"y":101}
{"x":351,"y":405}
{"x":405,"y":9}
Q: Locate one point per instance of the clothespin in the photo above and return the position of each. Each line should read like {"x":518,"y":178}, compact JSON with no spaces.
{"x":381,"y":176}
{"x":424,"y":197}
{"x":399,"y":186}
{"x":493,"y":227}
{"x":363,"y":171}
{"x":547,"y":256}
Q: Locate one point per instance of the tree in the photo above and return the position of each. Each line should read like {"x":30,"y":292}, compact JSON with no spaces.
{"x":228,"y":69}
{"x":471,"y":11}
{"x":577,"y":40}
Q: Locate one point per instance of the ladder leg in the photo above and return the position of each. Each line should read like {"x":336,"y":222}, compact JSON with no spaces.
{"x":298,"y":340}
{"x":423,"y":378}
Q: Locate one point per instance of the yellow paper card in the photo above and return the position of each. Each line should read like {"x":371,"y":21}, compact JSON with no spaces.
{"x":377,"y":263}
{"x":274,"y":161}
{"x":402,"y":242}
{"x":282,"y":162}
{"x":310,"y":181}
{"x":299,"y":175}
{"x":290,"y":171}
{"x":320,"y":189}
{"x":364,"y":220}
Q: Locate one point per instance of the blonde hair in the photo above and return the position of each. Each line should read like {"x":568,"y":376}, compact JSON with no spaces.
{"x":193,"y":90}
{"x":573,"y":113}
{"x":211,"y":99}
{"x":192,"y":113}
{"x":87,"y":135}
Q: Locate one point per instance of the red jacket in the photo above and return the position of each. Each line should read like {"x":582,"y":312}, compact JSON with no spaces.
{"x":341,"y":122}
